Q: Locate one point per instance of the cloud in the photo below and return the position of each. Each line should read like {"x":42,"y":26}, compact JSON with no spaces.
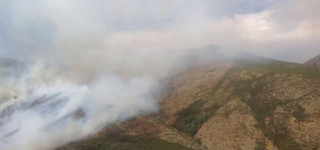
{"x":49,"y":27}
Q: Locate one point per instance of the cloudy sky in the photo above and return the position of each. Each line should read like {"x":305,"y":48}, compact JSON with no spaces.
{"x":47,"y":30}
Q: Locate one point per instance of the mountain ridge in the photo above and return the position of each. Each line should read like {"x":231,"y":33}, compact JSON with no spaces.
{"x":227,"y":103}
{"x":235,"y":104}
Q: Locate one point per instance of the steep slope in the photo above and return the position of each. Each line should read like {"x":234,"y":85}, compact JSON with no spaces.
{"x":270,"y":106}
{"x":233,"y":104}
{"x":314,"y":62}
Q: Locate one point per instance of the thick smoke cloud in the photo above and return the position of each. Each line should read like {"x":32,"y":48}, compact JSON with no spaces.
{"x":90,"y":78}
{"x":49,"y":110}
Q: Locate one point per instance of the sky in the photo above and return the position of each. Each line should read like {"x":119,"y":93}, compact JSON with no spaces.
{"x":48,"y":30}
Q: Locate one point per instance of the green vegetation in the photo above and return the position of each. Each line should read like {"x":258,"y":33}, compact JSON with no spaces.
{"x":119,"y":142}
{"x":191,"y":119}
{"x":193,"y":123}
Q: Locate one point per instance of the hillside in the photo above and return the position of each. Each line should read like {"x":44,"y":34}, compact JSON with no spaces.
{"x":314,"y":62}
{"x":232,"y":105}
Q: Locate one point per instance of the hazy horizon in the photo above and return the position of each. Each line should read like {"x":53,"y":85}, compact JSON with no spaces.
{"x":44,"y":30}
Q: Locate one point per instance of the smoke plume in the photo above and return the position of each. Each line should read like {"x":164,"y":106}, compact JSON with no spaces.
{"x":76,"y":80}
{"x":47,"y":106}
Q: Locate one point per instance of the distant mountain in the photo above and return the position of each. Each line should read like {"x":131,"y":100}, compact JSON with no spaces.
{"x":314,"y":62}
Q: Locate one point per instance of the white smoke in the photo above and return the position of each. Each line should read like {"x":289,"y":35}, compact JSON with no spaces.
{"x":48,"y":110}
{"x":87,"y":78}
{"x":94,"y":70}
